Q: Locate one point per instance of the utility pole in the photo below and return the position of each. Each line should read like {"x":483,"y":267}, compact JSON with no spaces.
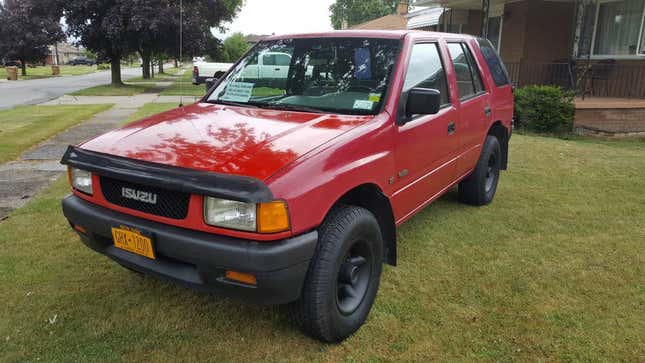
{"x":485,"y":11}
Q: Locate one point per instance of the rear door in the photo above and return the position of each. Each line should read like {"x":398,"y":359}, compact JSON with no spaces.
{"x":426,"y":148}
{"x":474,"y":105}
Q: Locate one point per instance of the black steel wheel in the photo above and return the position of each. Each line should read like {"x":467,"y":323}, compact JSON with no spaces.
{"x":343,"y":275}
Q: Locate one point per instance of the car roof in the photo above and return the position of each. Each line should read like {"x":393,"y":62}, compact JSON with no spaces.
{"x":383,"y":34}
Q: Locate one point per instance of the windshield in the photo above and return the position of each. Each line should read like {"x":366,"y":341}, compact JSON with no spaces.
{"x":340,"y":75}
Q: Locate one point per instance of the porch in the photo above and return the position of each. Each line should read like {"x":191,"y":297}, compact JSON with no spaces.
{"x":609,"y":116}
{"x":595,"y":47}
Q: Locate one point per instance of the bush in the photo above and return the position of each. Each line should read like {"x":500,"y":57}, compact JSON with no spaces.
{"x":102,"y":66}
{"x":544,"y":109}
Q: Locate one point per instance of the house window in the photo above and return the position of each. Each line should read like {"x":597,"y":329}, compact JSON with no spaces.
{"x":494,"y":33}
{"x":619,"y":28}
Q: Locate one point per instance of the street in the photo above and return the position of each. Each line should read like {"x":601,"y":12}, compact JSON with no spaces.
{"x":16,"y":93}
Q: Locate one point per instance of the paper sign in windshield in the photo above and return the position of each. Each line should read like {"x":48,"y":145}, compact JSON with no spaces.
{"x":363,"y":104}
{"x":238,"y":92}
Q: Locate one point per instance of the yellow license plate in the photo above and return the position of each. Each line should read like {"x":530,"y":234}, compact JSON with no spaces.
{"x":132,"y":240}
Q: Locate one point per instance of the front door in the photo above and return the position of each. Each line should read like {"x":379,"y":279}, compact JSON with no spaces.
{"x":426,"y":145}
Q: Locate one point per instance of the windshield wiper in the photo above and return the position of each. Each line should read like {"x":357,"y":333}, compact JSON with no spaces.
{"x":286,"y":106}
{"x":233,"y":103}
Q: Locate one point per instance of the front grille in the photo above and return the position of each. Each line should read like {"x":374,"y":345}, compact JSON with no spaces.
{"x":168,"y":203}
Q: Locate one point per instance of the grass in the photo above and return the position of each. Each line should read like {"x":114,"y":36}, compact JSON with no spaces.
{"x":553,"y":270}
{"x":111,"y":90}
{"x":184,"y":86}
{"x":158,"y":78}
{"x":150,"y":109}
{"x":24,"y":126}
{"x":46,"y":71}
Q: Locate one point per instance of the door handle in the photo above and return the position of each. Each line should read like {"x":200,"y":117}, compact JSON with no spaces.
{"x":277,"y":69}
{"x":452,"y":128}
{"x":487,"y":110}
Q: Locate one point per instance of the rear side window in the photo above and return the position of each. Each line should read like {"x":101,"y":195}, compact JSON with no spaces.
{"x":469,"y":81}
{"x":495,"y":65}
{"x":425,"y":70}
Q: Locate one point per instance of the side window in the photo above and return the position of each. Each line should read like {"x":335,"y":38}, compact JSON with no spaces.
{"x":477,"y":77}
{"x":282,"y":60}
{"x":426,"y":70}
{"x":469,"y":81}
{"x":268,"y":59}
{"x":495,"y":65}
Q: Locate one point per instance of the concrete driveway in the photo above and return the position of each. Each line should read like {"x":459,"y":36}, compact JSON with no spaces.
{"x":34,"y":91}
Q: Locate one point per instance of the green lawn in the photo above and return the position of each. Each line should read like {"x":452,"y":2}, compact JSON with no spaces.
{"x":110,"y":90}
{"x":150,"y":109}
{"x":185,"y":87}
{"x":553,"y":270}
{"x":46,"y":71}
{"x":157,"y":78}
{"x":24,"y":126}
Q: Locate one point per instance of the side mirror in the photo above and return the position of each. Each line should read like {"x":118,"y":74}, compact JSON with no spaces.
{"x":423,"y":101}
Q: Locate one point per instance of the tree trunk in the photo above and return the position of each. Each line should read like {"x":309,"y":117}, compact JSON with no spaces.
{"x":23,"y":67}
{"x":145,"y":60}
{"x":160,"y":65}
{"x":115,"y":69}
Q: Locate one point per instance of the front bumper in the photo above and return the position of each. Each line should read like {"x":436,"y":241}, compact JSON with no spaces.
{"x":198,"y":259}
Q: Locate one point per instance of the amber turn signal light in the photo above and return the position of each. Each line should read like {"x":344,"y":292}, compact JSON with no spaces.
{"x":241,"y":277}
{"x":273,"y":217}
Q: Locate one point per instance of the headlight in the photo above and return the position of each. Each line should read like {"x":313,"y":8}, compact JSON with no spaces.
{"x":268,"y":217}
{"x":230,"y":214}
{"x":81,"y":180}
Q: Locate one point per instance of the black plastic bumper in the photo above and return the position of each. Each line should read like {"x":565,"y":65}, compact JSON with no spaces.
{"x":198,"y":259}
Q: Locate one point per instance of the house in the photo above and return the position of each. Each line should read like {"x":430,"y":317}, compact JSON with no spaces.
{"x":396,"y":21}
{"x":252,"y":39}
{"x":593,"y":46}
{"x":62,"y":53}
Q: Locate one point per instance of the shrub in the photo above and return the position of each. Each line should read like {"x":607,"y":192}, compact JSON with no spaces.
{"x":544,"y":109}
{"x":102,"y":66}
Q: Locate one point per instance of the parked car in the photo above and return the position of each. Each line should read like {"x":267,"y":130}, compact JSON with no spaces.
{"x":203,"y":70}
{"x":82,"y":61}
{"x":13,"y":63}
{"x":294,"y":194}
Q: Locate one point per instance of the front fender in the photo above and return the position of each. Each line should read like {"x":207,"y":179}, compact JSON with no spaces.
{"x":312,"y":184}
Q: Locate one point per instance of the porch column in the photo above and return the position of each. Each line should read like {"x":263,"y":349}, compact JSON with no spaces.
{"x":485,"y":11}
{"x":581,"y":5}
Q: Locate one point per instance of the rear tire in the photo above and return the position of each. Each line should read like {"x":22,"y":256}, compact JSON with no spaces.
{"x":479,"y":187}
{"x":343,"y":276}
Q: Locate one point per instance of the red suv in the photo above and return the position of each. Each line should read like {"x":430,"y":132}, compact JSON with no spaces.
{"x":287,"y":185}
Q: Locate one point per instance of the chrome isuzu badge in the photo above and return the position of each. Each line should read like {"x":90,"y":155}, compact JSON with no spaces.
{"x":139,"y":195}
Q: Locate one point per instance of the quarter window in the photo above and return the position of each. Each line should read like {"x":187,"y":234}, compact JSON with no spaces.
{"x":495,"y":65}
{"x":425,"y":70}
{"x":469,"y":80}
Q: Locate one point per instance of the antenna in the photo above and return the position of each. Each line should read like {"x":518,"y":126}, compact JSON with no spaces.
{"x":181,"y":41}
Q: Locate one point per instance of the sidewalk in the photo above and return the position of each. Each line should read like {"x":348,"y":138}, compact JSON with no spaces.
{"x":39,"y":166}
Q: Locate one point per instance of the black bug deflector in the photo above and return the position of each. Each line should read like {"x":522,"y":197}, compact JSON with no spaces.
{"x":240,"y":188}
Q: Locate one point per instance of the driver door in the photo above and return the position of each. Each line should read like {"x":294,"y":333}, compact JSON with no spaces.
{"x":426,"y":145}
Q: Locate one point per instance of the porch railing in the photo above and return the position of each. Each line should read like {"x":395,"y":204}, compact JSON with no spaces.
{"x":603,"y":78}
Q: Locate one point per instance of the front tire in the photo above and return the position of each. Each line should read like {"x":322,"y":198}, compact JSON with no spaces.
{"x":343,"y":276}
{"x":479,"y":187}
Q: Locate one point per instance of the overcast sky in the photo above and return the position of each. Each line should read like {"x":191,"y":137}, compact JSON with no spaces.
{"x":281,"y":17}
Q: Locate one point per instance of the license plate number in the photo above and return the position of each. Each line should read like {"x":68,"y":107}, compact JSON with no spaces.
{"x":133,"y":240}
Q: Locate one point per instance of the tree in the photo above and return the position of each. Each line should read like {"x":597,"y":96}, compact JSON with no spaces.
{"x":27,"y":29}
{"x":234,"y":47}
{"x":115,"y":28}
{"x":353,"y":12}
{"x":100,"y":26}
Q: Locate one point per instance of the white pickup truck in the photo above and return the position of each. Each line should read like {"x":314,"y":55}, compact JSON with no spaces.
{"x":203,"y":70}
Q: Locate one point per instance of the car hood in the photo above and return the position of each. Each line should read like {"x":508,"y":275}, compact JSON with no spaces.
{"x":227,"y":139}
